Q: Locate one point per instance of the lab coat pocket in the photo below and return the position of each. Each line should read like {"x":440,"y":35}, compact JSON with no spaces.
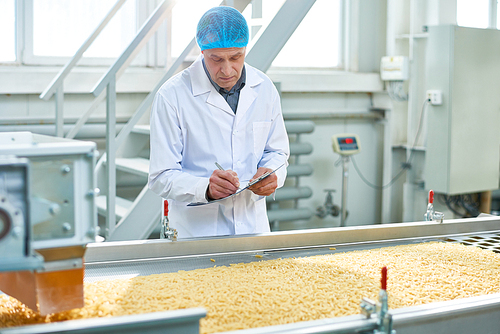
{"x":260,"y":134}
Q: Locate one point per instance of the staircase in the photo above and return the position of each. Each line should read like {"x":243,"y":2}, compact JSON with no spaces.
{"x":125,"y":164}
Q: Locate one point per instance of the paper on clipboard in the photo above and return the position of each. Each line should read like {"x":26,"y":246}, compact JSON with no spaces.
{"x":260,"y":178}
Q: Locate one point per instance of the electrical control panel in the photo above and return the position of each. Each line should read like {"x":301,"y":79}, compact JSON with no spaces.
{"x":394,"y":68}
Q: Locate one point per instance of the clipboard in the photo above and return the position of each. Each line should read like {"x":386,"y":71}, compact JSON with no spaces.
{"x":260,"y":178}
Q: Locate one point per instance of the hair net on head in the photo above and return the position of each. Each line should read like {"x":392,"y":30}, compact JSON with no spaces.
{"x":222,"y":27}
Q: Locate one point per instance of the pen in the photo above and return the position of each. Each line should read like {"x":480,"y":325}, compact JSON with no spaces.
{"x":219,"y":166}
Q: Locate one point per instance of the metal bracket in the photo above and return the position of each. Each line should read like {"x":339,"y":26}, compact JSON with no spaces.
{"x":384,"y":318}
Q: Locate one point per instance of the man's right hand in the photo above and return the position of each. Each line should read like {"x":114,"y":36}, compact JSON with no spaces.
{"x":222,"y":184}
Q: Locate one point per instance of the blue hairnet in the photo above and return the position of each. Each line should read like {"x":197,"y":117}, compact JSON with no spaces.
{"x":222,"y":27}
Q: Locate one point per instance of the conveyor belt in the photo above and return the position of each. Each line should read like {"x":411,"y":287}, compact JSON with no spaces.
{"x":129,"y":259}
{"x":143,"y":267}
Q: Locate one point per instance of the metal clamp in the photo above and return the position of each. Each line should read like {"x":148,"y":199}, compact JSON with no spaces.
{"x":167,"y":232}
{"x":384,"y":317}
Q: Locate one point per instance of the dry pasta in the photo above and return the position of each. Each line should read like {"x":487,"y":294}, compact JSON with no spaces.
{"x":288,"y":290}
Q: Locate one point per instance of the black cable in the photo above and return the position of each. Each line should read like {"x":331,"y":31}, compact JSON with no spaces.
{"x":448,"y":200}
{"x":406,"y":165}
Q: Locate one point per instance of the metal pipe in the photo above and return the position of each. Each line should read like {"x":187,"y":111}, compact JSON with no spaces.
{"x":345,"y":175}
{"x":111,"y":155}
{"x":59,"y":110}
{"x":289,"y":214}
{"x":335,"y":115}
{"x":288,"y":193}
{"x":299,"y":126}
{"x":300,"y":148}
{"x":299,"y":170}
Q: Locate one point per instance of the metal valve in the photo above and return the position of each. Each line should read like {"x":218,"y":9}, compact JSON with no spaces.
{"x":329,"y":208}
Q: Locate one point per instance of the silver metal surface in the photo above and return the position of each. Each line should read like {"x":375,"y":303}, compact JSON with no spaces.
{"x":15,"y":239}
{"x":291,"y":240}
{"x":172,"y":322}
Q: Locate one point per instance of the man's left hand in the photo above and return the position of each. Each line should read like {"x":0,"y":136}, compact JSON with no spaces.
{"x":267,"y":186}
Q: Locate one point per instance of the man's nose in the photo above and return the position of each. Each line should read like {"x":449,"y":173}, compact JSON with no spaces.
{"x":226,"y":69}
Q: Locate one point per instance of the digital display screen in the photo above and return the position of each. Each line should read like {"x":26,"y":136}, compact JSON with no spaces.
{"x":347,"y":143}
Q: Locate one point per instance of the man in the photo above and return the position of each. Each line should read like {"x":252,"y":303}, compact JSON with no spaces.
{"x":219,"y":110}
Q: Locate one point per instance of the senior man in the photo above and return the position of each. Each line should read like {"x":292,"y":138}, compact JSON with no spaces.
{"x":219,"y":110}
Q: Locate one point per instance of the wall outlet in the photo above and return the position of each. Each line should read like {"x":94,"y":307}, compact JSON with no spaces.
{"x":435,"y":97}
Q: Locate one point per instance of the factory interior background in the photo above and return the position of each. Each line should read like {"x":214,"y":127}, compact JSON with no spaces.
{"x":416,"y":80}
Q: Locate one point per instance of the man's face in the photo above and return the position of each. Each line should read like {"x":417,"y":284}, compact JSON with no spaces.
{"x":225,"y":65}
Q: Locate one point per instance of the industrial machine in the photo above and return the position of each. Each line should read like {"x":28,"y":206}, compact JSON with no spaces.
{"x":111,"y":260}
{"x":47,"y":217}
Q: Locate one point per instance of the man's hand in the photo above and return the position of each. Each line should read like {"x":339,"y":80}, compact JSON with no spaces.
{"x":267,"y":186}
{"x":222,"y":184}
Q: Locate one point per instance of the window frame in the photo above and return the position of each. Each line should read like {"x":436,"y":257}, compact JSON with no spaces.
{"x":152,"y":55}
{"x":155,"y":54}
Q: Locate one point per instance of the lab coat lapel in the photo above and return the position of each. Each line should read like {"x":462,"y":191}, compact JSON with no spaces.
{"x":216,"y":100}
{"x":248,"y":93}
{"x":200,"y":84}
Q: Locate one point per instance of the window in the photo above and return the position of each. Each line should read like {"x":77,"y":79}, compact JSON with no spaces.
{"x":473,"y":13}
{"x":498,"y":14}
{"x":478,"y":13}
{"x":58,"y":28}
{"x":311,"y":34}
{"x":315,"y":43}
{"x":8,"y":31}
{"x":51,"y":31}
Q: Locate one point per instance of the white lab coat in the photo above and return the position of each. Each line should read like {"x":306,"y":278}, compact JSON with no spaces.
{"x":192,"y":127}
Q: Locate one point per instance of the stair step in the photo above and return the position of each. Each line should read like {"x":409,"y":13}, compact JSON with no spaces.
{"x":142,"y":129}
{"x":138,"y":166}
{"x":122,"y":206}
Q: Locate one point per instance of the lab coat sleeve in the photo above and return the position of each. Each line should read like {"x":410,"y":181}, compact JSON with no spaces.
{"x":277,"y":149}
{"x":166,"y":177}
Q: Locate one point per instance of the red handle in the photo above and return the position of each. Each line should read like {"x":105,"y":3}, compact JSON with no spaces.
{"x":384,"y":278}
{"x":431,"y":196}
{"x":165,"y":208}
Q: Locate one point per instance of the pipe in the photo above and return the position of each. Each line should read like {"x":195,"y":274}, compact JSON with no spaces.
{"x":299,"y":170}
{"x":288,"y":193}
{"x":361,"y":114}
{"x":299,"y":126}
{"x":289,"y":214}
{"x":300,"y":148}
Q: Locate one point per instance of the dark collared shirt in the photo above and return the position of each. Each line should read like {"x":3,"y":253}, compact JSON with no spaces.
{"x":232,"y":96}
